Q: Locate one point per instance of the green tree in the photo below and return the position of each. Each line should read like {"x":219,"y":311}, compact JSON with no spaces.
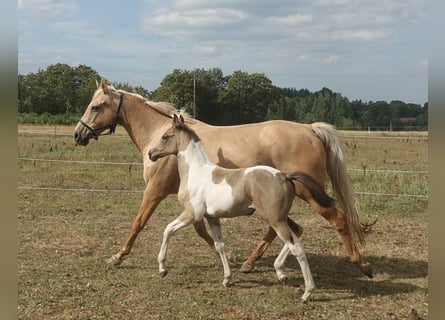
{"x":209,"y":84}
{"x":247,"y":98}
{"x":176,"y":88}
{"x":56,"y":90}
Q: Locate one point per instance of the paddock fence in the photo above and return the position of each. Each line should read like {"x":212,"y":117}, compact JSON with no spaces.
{"x":58,"y":133}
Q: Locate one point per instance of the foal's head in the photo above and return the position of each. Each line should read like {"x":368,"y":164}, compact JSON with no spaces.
{"x":174,"y":139}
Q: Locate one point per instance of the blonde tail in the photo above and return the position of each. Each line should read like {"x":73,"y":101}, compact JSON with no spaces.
{"x":336,"y":169}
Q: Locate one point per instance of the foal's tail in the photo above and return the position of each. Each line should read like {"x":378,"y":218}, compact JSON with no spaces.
{"x":314,"y":188}
{"x":336,"y":169}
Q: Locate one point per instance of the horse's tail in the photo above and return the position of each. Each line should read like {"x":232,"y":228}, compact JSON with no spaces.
{"x":314,"y":188}
{"x":336,"y":169}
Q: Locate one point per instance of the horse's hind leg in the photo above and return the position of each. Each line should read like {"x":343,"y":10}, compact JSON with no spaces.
{"x":258,"y":252}
{"x":337,"y":219}
{"x":215,"y":227}
{"x":262,"y":246}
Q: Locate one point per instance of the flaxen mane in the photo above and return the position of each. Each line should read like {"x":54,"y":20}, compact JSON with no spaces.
{"x":165,"y":108}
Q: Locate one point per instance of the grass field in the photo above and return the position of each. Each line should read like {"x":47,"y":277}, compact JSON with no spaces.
{"x":66,"y":235}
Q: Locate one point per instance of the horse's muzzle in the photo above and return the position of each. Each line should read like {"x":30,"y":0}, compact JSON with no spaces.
{"x":81,"y":139}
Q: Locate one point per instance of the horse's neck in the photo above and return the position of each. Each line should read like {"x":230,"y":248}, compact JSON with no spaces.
{"x":141,"y":122}
{"x":192,"y":158}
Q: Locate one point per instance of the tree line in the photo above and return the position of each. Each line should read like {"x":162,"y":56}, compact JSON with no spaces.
{"x":60,"y":93}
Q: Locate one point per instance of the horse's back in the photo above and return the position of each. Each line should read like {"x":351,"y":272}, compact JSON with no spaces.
{"x":287,"y":146}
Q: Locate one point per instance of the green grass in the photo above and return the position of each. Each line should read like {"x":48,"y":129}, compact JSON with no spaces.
{"x":66,"y":236}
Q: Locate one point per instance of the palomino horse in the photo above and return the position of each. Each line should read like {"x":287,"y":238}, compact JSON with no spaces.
{"x":314,"y":149}
{"x":210,"y":191}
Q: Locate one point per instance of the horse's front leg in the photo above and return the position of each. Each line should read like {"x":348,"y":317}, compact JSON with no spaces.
{"x":182,"y":221}
{"x":215,"y":227}
{"x":151,"y":199}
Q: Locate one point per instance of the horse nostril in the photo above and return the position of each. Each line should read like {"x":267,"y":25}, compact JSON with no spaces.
{"x":76,"y":136}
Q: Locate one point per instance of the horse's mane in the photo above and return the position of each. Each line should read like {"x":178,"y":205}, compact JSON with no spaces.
{"x":165,"y":108}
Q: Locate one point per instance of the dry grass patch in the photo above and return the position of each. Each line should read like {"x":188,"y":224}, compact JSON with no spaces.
{"x":66,"y":236}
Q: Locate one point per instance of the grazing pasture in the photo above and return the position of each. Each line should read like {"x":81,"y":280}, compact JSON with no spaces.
{"x":76,"y":207}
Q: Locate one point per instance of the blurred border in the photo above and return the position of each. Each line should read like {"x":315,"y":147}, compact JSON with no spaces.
{"x":8,"y":131}
{"x":8,"y":165}
{"x":436,"y":106}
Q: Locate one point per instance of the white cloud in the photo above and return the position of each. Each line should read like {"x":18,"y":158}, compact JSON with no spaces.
{"x":289,"y":21}
{"x":362,"y":35}
{"x":331,"y":59}
{"x":292,"y":42}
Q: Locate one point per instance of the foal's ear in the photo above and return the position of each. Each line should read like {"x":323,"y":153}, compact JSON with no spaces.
{"x":103,"y":86}
{"x":175,"y":120}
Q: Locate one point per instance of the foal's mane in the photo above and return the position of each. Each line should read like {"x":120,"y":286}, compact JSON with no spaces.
{"x":181,"y":126}
{"x":189,"y":131}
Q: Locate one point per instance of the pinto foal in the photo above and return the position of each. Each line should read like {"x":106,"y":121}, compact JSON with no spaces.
{"x":207,"y":190}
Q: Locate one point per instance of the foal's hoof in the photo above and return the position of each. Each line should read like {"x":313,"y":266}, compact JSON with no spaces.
{"x":227,"y":283}
{"x":113,"y":261}
{"x":163,"y":273}
{"x":305,"y":297}
{"x":245,"y":268}
{"x":283,"y":280}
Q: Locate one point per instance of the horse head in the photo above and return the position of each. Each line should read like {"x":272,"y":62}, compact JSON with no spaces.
{"x":101,"y":114}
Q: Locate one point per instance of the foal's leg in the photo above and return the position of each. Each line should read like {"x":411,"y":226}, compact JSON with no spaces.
{"x":296,"y":248}
{"x":182,"y":221}
{"x":219,"y":245}
{"x":279,"y":263}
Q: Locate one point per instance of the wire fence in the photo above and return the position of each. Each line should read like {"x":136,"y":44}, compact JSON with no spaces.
{"x":83,"y":162}
{"x":370,"y":135}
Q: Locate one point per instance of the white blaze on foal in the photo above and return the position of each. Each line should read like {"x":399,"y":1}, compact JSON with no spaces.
{"x":212,"y":192}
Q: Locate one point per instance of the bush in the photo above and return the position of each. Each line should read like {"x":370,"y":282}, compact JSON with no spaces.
{"x":47,"y":118}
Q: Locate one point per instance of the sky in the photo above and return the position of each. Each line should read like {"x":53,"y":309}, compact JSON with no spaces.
{"x":363,"y":49}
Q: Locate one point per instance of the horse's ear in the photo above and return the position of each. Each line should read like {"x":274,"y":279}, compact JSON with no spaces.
{"x":97,"y":84}
{"x":104,"y":86}
{"x":181,"y":119}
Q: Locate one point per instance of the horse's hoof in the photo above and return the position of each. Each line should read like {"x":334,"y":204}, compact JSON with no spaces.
{"x":113,"y":261}
{"x":366,"y":269}
{"x":163,"y":273}
{"x":246,"y":268}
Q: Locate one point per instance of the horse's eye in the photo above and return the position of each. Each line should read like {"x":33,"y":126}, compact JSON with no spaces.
{"x":165,"y":137}
{"x":95,"y":109}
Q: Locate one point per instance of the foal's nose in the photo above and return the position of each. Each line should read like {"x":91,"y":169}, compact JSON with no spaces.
{"x":150,"y":155}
